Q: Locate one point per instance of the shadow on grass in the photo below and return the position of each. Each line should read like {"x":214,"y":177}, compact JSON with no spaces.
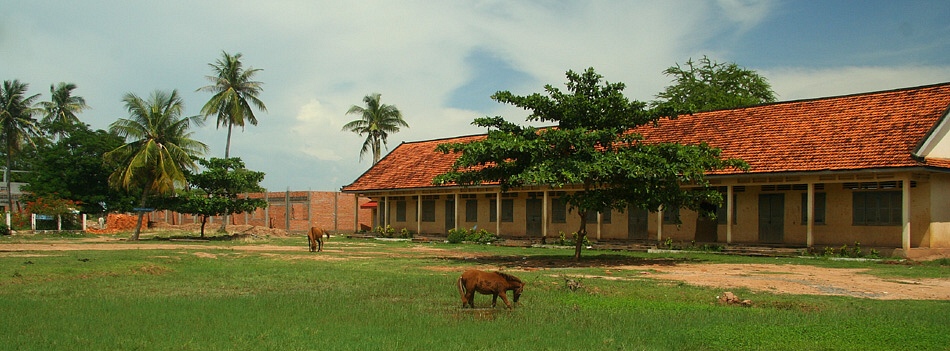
{"x":198,"y":238}
{"x":562,"y":261}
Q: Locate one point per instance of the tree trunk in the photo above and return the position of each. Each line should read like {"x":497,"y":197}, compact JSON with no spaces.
{"x":204,"y":219}
{"x":7,"y":177}
{"x":227,"y":153}
{"x":138,"y":223}
{"x":581,"y":234}
{"x":227,"y":147}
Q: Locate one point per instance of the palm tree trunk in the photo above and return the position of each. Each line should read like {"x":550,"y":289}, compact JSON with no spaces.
{"x":227,"y":152}
{"x":6,"y":176}
{"x":138,"y":223}
{"x":227,"y":147}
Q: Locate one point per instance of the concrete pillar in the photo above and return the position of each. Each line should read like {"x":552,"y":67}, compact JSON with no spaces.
{"x":730,"y":208}
{"x":810,"y":215}
{"x":905,"y":215}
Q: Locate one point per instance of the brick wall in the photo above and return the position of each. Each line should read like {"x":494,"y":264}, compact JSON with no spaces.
{"x":330,"y":210}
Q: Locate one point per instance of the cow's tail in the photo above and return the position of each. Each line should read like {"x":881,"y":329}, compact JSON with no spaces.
{"x":461,"y":288}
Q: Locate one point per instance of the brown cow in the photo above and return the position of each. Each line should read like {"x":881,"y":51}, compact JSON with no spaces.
{"x":494,"y":283}
{"x":315,"y":238}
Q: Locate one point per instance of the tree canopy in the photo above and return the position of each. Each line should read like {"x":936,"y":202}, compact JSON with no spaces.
{"x":706,"y":85}
{"x":17,"y":125}
{"x":235,"y":90}
{"x":216,"y":190}
{"x":159,"y":147}
{"x":72,"y":168}
{"x":590,"y":150}
{"x":377,"y":121}
{"x":60,"y":112}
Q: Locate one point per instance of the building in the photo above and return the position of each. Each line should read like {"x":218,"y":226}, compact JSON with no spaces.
{"x":867,"y":168}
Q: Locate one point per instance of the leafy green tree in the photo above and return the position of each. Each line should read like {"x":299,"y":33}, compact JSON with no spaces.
{"x":376,"y":122}
{"x":60,"y":112}
{"x":72,"y":168}
{"x":707,"y":85}
{"x":159,"y":147}
{"x":592,"y":150}
{"x":17,"y":125}
{"x":216,"y":191}
{"x":235,"y":90}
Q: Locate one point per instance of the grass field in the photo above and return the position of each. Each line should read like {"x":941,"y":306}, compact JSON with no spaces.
{"x":373,"y":295}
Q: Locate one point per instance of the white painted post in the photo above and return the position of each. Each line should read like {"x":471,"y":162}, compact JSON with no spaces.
{"x":810,"y":216}
{"x":730,"y":207}
{"x":600,"y":222}
{"x":544,"y":216}
{"x":457,"y":200}
{"x":498,"y":213}
{"x":659,"y":224}
{"x":419,"y":214}
{"x":905,"y":214}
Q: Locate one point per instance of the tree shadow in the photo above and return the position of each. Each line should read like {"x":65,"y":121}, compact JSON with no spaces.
{"x":562,"y":261}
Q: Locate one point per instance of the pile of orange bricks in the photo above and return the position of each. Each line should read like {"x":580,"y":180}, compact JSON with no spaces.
{"x":117,"y":222}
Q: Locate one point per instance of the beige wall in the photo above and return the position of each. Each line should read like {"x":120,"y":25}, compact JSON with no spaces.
{"x":930,"y":216}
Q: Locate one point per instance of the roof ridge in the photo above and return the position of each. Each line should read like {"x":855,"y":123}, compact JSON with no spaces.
{"x":832,"y":97}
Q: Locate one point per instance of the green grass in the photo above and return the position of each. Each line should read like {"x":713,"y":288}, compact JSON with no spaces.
{"x":392,"y":296}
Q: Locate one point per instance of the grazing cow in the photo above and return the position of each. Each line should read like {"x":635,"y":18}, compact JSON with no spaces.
{"x":494,"y":283}
{"x":315,"y":238}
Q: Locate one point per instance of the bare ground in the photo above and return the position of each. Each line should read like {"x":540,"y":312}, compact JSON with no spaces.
{"x":772,"y":278}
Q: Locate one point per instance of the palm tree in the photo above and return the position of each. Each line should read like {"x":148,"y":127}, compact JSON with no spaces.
{"x":159,"y":147}
{"x":376,"y":121}
{"x":62,"y":108}
{"x":17,"y":125}
{"x":234,"y":92}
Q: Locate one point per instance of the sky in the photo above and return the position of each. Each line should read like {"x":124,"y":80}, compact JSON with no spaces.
{"x":439,"y":62}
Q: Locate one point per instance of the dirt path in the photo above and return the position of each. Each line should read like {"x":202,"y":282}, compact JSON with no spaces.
{"x":801,"y":279}
{"x":772,"y":278}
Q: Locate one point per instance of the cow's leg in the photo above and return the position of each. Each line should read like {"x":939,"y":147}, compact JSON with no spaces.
{"x":310,"y":243}
{"x":494,"y":299}
{"x":320,"y":241}
{"x":470,"y":296}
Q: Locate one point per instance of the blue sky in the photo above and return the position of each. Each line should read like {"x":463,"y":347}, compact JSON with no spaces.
{"x":438,"y":61}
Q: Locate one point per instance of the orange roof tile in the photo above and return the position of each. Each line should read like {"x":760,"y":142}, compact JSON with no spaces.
{"x":872,"y":130}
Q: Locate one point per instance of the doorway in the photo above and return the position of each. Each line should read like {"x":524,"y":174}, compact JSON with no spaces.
{"x":771,"y":218}
{"x":533,"y":217}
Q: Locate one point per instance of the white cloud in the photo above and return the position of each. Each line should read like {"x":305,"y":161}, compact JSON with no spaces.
{"x":321,"y":57}
{"x":801,"y":83}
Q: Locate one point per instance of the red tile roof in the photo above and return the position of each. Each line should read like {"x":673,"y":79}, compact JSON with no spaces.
{"x":863,"y":131}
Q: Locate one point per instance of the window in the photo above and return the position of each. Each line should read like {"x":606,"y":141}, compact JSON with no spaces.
{"x":604,"y":217}
{"x":428,"y":210}
{"x":558,"y":211}
{"x":400,"y":211}
{"x":471,"y":210}
{"x":877,"y":208}
{"x":819,"y":208}
{"x":671,"y":216}
{"x":493,"y":210}
{"x":721,"y":211}
{"x":507,"y":210}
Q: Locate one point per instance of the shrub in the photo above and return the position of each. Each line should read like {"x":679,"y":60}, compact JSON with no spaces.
{"x":564,"y":241}
{"x":456,"y":235}
{"x":387,"y":232}
{"x":480,"y":236}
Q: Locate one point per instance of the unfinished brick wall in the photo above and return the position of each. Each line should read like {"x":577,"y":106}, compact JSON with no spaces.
{"x":330,"y":210}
